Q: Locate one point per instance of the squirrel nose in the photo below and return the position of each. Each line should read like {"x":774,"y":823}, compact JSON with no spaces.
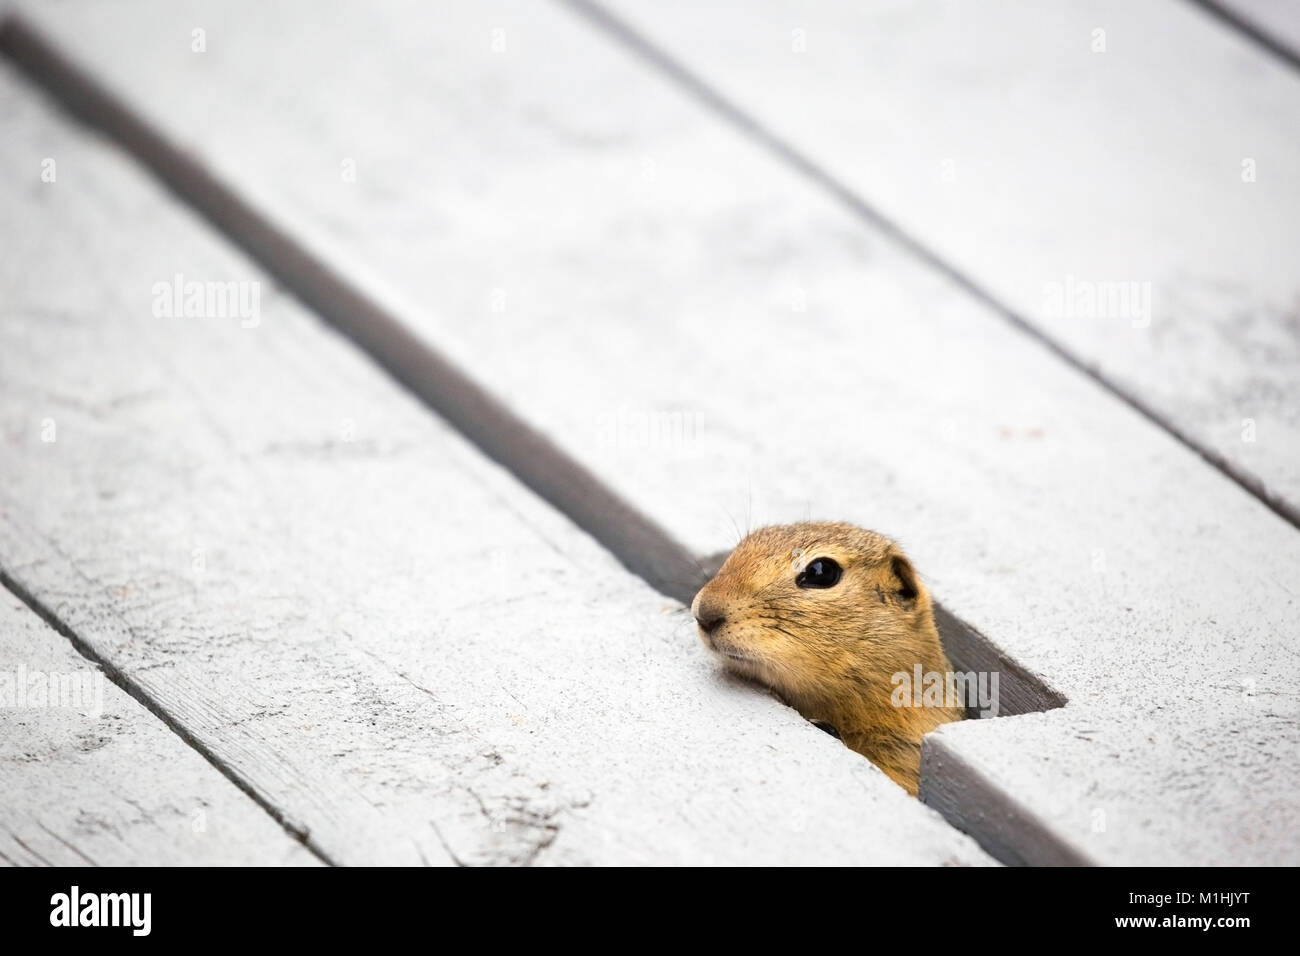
{"x":707,"y":614}
{"x":712,"y":624}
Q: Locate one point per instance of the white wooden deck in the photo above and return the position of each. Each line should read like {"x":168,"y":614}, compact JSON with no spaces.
{"x":642,"y":273}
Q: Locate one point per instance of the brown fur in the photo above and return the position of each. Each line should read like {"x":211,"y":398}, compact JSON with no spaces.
{"x":831,"y":653}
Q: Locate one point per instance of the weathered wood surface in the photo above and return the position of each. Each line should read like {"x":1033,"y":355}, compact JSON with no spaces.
{"x":1123,"y":176}
{"x":379,"y":633}
{"x":1205,"y":781}
{"x":91,"y":778}
{"x":663,"y":271}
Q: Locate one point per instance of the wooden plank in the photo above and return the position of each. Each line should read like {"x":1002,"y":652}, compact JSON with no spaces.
{"x":1101,"y":768}
{"x":91,"y":778}
{"x":662,"y":272}
{"x":377,"y":632}
{"x":1124,"y":177}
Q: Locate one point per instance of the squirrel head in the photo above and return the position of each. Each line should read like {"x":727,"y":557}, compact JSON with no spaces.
{"x":826,"y":613}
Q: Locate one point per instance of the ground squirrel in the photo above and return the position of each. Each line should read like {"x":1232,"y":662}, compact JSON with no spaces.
{"x":827,"y":614}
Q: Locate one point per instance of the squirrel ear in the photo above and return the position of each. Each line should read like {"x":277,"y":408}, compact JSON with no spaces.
{"x":908,"y":584}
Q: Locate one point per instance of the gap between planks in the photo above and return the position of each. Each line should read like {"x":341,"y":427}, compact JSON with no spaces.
{"x":1257,"y":33}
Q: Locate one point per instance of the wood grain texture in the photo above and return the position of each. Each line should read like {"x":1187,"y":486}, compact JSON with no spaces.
{"x":1125,"y":177}
{"x":91,"y":778}
{"x":664,"y":273}
{"x":377,"y":632}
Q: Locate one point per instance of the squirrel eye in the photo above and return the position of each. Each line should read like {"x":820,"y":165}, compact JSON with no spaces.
{"x":819,"y":573}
